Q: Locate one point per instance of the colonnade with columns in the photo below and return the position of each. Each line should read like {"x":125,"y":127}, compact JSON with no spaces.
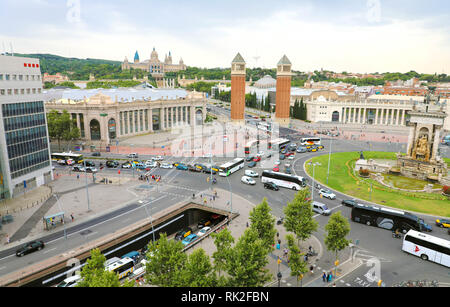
{"x":379,"y":116}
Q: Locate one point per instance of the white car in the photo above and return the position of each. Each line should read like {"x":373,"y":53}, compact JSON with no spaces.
{"x":327,"y":194}
{"x":151,"y":164}
{"x":277,"y":162}
{"x":166,"y":165}
{"x":157,"y":158}
{"x":203,"y":231}
{"x":70,"y":282}
{"x":250,"y":173}
{"x":248,"y":180}
{"x":260,"y":154}
{"x":291,"y":157}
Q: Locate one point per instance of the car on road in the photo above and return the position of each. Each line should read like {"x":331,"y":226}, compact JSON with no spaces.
{"x":251,"y":164}
{"x":151,"y":164}
{"x":271,"y":186}
{"x":90,"y":169}
{"x":30,"y":247}
{"x":282,"y":157}
{"x":276,"y":168}
{"x":327,"y":194}
{"x":158,"y":158}
{"x":96,"y":154}
{"x":203,"y":222}
{"x":248,"y":180}
{"x":320,"y":147}
{"x":249,"y":158}
{"x":112,"y":164}
{"x":425,"y":226}
{"x":291,"y":157}
{"x":260,"y":154}
{"x":320,"y":208}
{"x":292,"y":147}
{"x":257,"y":159}
{"x":301,"y":150}
{"x":180,"y":235}
{"x":250,"y":173}
{"x":182,"y":167}
{"x":166,"y":165}
{"x":208,"y":170}
{"x":349,"y":202}
{"x":77,"y":168}
{"x":133,"y":155}
{"x":69,"y":282}
{"x":288,"y":170}
{"x":443,"y":223}
{"x":203,"y":231}
{"x":88,"y":163}
{"x":189,"y":239}
{"x":126,"y":165}
{"x":192,"y":168}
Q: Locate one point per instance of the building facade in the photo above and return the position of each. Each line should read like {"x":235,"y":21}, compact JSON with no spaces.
{"x":24,"y":143}
{"x":153,"y":65}
{"x":104,"y":116}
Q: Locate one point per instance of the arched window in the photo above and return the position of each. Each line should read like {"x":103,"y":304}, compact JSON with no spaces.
{"x":95,"y":130}
{"x":112,"y":128}
{"x":335,"y":116}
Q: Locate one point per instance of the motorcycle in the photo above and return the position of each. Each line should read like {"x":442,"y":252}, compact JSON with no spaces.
{"x":396,"y":235}
{"x":214,"y":181}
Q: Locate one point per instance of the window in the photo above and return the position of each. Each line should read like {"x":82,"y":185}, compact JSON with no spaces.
{"x":1,"y":77}
{"x":7,"y":77}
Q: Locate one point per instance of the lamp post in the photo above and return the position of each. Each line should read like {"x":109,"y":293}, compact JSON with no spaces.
{"x":312,"y":188}
{"x":87,"y":189}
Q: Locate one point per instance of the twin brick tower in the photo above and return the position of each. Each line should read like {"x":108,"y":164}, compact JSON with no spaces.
{"x":283,"y":93}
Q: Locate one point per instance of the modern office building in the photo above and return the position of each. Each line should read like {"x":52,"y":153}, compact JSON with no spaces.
{"x":24,"y":143}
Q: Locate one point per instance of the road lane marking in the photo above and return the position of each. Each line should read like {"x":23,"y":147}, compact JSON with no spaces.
{"x":49,"y":250}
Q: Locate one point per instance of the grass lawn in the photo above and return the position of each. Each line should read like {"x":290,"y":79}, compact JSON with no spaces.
{"x":341,"y":178}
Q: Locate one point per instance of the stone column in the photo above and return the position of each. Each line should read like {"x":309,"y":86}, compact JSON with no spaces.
{"x":78,"y":121}
{"x":436,"y":143}
{"x":410,"y":140}
{"x":364,"y":116}
{"x":397,"y":117}
{"x":403,"y":117}
{"x":150,"y":119}
{"x":392,"y":116}
{"x":376,"y":116}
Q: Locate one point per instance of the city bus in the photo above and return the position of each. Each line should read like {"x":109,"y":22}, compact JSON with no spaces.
{"x":427,"y":247}
{"x":249,"y":146}
{"x":284,"y":180}
{"x":230,"y":167}
{"x":123,"y":267}
{"x":386,"y":218}
{"x":76,"y":158}
{"x":310,"y":141}
{"x":264,"y":127}
{"x":278,"y":144}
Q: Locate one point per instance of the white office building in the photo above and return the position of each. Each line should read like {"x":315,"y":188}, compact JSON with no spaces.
{"x":24,"y":143}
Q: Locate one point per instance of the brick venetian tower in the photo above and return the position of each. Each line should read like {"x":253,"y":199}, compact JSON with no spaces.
{"x":283,"y":93}
{"x":237,"y":89}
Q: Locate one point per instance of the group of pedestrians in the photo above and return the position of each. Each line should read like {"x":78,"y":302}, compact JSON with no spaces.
{"x":327,"y":277}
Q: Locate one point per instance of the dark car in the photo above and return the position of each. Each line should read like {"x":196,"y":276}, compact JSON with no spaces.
{"x":96,"y":154}
{"x":425,"y":226}
{"x":203,"y":223}
{"x":77,"y":168}
{"x":112,"y":164}
{"x":252,"y":164}
{"x":183,"y":233}
{"x":301,"y":150}
{"x":182,"y":167}
{"x":271,"y":186}
{"x":288,"y":170}
{"x":349,"y":202}
{"x":282,"y":157}
{"x":208,"y":170}
{"x":249,"y":158}
{"x":89,"y":163}
{"x":30,"y":247}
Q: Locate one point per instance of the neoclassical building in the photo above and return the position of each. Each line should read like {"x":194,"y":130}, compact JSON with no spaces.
{"x":107,"y":115}
{"x":153,"y":65}
{"x":390,"y":110}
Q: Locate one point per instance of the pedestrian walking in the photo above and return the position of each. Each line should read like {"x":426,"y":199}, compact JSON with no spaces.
{"x":78,"y":176}
{"x":311,"y":269}
{"x":330,"y":277}
{"x":7,"y":239}
{"x":71,"y":216}
{"x":324,"y":276}
{"x":285,"y":252}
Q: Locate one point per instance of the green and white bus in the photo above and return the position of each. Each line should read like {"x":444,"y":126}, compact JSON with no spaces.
{"x":230,"y":167}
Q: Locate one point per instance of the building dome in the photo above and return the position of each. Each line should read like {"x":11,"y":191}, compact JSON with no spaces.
{"x":154,"y":54}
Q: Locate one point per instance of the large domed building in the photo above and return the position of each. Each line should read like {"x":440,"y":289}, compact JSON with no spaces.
{"x":153,"y":65}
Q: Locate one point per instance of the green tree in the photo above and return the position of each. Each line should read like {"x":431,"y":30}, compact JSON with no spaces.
{"x":247,"y":260}
{"x":223,"y":242}
{"x":94,"y":274}
{"x":263,"y":223}
{"x":166,"y":263}
{"x":198,"y":271}
{"x":62,"y":126}
{"x":337,"y":229}
{"x":299,"y":216}
{"x":297,"y":264}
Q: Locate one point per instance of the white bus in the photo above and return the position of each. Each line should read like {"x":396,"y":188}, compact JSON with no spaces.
{"x":230,"y":167}
{"x":310,"y":141}
{"x":278,"y":144}
{"x":67,"y":156}
{"x":284,"y":180}
{"x":123,"y":267}
{"x":427,"y":247}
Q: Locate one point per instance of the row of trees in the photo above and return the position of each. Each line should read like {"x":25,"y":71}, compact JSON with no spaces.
{"x":298,"y":111}
{"x":235,"y":263}
{"x":62,"y":127}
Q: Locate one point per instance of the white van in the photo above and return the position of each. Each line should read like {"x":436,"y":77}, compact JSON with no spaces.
{"x":133,"y":155}
{"x":69,"y":282}
{"x":320,"y":208}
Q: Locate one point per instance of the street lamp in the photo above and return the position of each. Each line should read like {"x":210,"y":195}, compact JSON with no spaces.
{"x":87,"y":189}
{"x":312,"y":188}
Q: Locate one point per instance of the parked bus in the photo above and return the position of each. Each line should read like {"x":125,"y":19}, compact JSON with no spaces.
{"x":310,"y":141}
{"x":427,"y":247}
{"x":284,"y":180}
{"x":76,"y":158}
{"x":266,"y":127}
{"x":278,"y":144}
{"x":249,"y":146}
{"x":230,"y":167}
{"x":385,"y":218}
{"x":123,"y":267}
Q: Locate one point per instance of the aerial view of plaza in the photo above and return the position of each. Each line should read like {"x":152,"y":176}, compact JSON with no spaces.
{"x":225,"y":145}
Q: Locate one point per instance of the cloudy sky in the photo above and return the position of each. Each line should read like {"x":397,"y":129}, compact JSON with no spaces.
{"x":340,"y":35}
